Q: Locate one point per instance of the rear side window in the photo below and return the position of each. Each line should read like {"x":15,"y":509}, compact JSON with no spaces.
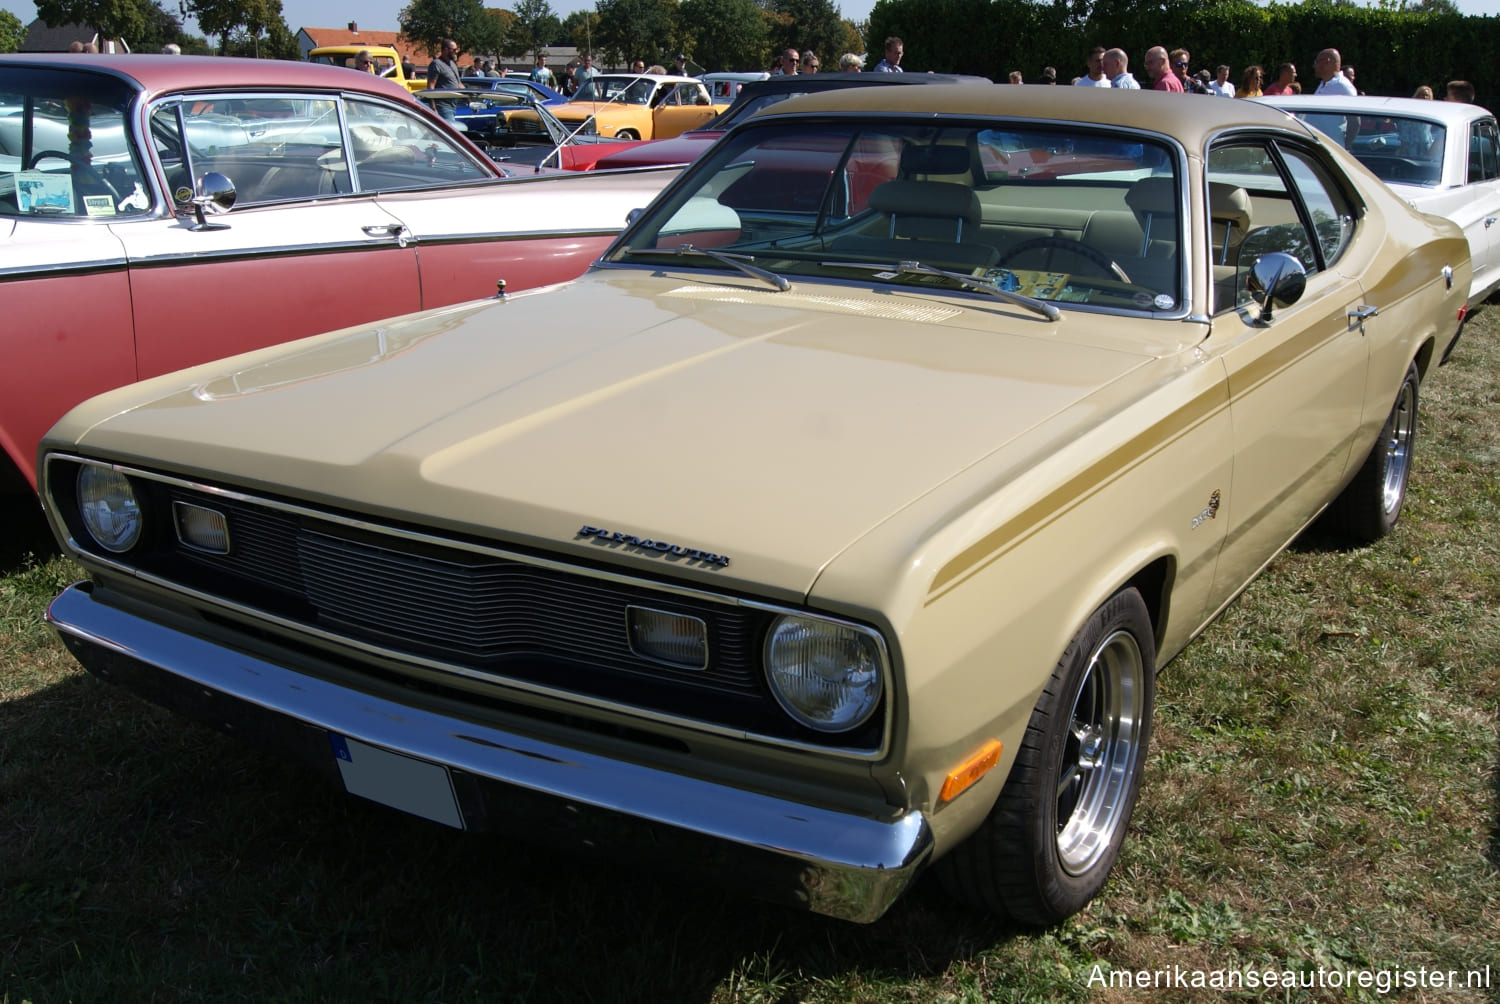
{"x":66,"y":149}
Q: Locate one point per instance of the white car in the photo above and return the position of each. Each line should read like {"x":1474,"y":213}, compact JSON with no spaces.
{"x":1441,"y":156}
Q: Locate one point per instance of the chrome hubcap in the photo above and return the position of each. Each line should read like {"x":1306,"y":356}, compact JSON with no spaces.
{"x":1100,"y":753}
{"x":1398,"y":448}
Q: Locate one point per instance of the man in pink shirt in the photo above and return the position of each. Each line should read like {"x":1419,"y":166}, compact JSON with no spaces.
{"x":1285,"y":74}
{"x":1163,"y":79}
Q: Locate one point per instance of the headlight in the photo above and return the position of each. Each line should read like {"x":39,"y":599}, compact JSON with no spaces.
{"x":110,"y":511}
{"x":827,"y":675}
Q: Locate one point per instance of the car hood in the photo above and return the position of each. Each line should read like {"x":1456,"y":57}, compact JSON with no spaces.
{"x":682,"y":149}
{"x":706,"y":414}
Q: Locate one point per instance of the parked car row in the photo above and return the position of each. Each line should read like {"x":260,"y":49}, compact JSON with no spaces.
{"x":352,"y":202}
{"x":831,"y":528}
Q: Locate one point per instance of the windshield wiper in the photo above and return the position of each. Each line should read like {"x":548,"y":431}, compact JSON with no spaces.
{"x":1031,"y":303}
{"x":739,"y":261}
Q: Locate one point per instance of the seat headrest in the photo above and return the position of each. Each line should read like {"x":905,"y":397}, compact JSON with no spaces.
{"x":927,"y":198}
{"x":1156,"y":195}
{"x":1229,"y":202}
{"x":934,"y":160}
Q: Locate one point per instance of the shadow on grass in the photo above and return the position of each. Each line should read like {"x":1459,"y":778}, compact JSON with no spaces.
{"x":25,"y":535}
{"x":151,"y":854}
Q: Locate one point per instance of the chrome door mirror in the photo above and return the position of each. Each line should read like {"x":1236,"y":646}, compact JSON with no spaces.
{"x":216,"y":194}
{"x":1276,"y":280}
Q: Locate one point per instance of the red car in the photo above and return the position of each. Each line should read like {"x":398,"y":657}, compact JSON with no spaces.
{"x":351,"y":202}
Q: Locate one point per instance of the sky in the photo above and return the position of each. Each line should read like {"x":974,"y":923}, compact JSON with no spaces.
{"x":380,"y":15}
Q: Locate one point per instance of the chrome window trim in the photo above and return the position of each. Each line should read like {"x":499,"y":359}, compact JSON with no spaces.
{"x":89,"y":555}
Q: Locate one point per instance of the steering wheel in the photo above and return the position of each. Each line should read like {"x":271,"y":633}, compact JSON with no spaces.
{"x":87,"y":170}
{"x":1109,"y":266}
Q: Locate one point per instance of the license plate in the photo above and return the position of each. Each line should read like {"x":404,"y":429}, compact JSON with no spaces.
{"x":397,"y":780}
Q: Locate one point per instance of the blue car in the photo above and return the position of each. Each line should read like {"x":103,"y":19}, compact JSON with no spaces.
{"x":540,"y":93}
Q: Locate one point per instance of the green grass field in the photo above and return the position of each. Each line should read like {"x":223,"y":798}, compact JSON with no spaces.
{"x":1323,"y":792}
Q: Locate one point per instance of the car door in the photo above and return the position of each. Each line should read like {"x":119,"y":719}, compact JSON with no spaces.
{"x":470,"y":232}
{"x":300,"y":253}
{"x":1297,"y":377}
{"x":685,"y":106}
{"x":67,"y":172}
{"x":1482,"y":191}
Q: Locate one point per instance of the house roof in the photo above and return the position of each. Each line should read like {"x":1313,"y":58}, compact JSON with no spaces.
{"x":43,"y":37}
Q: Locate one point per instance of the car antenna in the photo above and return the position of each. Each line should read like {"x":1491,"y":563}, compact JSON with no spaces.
{"x":556,"y":151}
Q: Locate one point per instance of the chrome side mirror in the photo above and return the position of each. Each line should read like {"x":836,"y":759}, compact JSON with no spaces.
{"x":216,"y":194}
{"x":1276,"y":280}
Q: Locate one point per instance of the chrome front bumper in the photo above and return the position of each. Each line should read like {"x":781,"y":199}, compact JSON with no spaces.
{"x":834,"y":863}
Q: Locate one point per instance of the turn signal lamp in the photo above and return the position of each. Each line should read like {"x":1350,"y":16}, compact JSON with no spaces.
{"x":962,"y":777}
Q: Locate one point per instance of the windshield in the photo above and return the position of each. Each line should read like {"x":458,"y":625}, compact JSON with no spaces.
{"x":620,"y":90}
{"x":1399,"y":149}
{"x":1069,"y":215}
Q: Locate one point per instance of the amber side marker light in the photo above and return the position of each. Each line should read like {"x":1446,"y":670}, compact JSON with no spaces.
{"x":971,"y":770}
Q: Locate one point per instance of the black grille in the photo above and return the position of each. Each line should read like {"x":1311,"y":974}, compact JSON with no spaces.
{"x":484,"y":612}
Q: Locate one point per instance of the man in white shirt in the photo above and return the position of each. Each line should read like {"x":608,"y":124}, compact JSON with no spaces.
{"x":1329,"y":67}
{"x":1096,"y":76}
{"x":1220,"y":85}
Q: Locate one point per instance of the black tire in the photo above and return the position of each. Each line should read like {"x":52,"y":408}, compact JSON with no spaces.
{"x":627,"y":134}
{"x":1369,"y":506}
{"x":1055,"y":831}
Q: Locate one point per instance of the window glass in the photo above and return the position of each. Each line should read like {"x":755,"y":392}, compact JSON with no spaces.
{"x":1332,"y":215}
{"x":1088,"y":218}
{"x":1484,"y":157}
{"x":65,"y":146}
{"x":395,"y":149}
{"x":271,"y":148}
{"x":1252,"y":213}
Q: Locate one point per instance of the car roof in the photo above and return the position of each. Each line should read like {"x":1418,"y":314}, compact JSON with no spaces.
{"x":807,"y":83}
{"x":661,"y":78}
{"x":1188,"y":118}
{"x":1437,"y":111}
{"x":156,"y":74}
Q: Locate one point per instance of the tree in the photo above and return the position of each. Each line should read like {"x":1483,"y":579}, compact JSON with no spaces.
{"x":428,"y":22}
{"x":12,"y":32}
{"x":637,"y":29}
{"x":808,"y":24}
{"x":127,"y":19}
{"x":227,"y":18}
{"x":724,"y":34}
{"x":534,"y":27}
{"x":581,"y":28}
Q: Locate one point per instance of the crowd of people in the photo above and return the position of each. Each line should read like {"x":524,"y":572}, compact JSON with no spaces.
{"x":1107,"y":67}
{"x":1172,"y":71}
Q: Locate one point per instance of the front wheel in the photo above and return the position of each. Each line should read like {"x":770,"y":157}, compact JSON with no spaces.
{"x":1053,"y":835}
{"x":1369,"y":506}
{"x":627,"y":134}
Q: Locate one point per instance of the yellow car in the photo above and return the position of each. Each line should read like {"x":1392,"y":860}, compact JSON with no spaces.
{"x":832,"y":527}
{"x":631,"y":106}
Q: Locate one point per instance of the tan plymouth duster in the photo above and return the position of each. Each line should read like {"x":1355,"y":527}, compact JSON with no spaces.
{"x":833,"y":526}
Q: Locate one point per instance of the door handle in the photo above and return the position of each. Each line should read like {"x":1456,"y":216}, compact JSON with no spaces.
{"x":1361,"y":312}
{"x":1489,"y":221}
{"x":396,"y":230}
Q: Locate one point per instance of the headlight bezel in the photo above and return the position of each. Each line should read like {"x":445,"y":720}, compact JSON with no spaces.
{"x":878,"y":663}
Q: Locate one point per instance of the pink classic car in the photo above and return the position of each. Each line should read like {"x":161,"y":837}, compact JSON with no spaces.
{"x":351,"y":202}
